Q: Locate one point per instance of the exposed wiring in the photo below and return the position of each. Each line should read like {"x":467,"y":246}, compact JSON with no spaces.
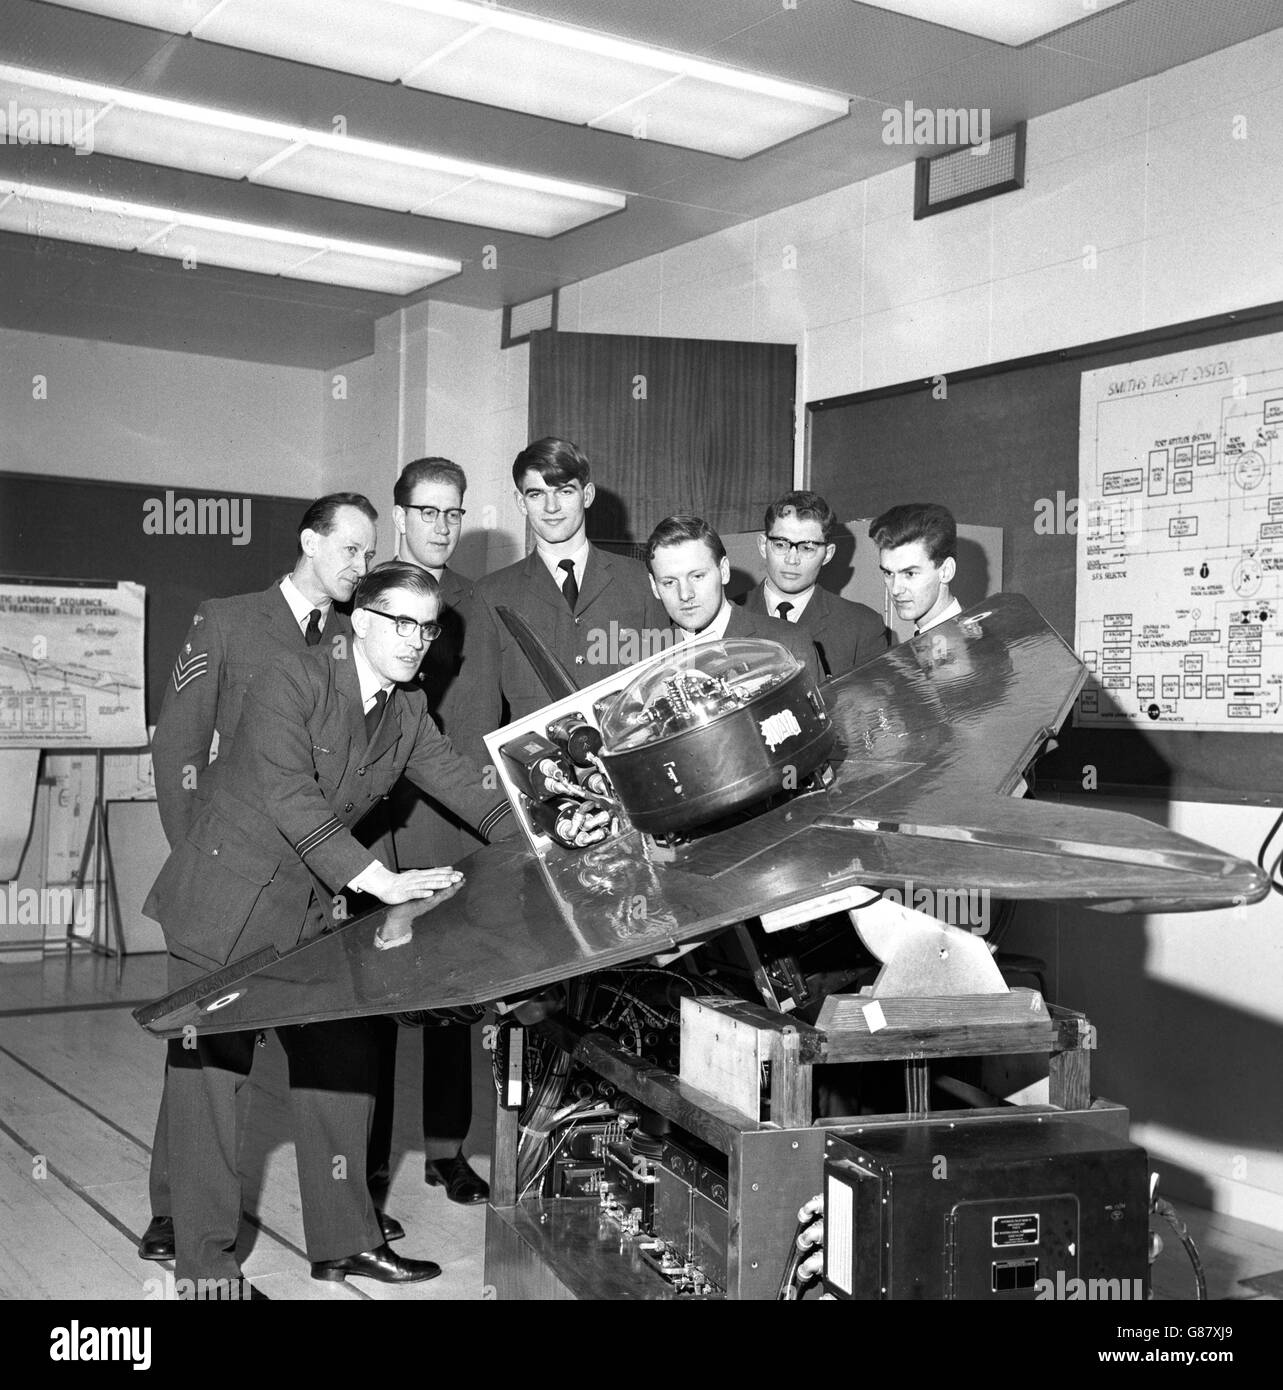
{"x":1163,"y":1208}
{"x":788,"y":1290}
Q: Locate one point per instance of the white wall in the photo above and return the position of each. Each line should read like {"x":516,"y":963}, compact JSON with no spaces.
{"x":144,"y":415}
{"x":437,"y":383}
{"x":1141,"y":207}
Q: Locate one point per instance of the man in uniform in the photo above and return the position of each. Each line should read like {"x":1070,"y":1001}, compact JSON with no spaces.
{"x":323,"y":736}
{"x":796,"y":543}
{"x":230,"y":644}
{"x":689,"y":572}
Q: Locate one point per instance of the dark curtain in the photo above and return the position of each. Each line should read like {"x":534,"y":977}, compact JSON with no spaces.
{"x":670,"y":425}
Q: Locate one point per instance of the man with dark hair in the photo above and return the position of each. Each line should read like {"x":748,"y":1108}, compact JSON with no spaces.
{"x":323,"y":736}
{"x":796,"y":543}
{"x":689,"y":572}
{"x":918,"y":554}
{"x":230,"y":644}
{"x":594,"y":610}
{"x":428,"y":515}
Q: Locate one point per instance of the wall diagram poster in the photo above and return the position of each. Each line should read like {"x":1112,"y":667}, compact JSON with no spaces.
{"x":71,"y":666}
{"x":1180,"y":540}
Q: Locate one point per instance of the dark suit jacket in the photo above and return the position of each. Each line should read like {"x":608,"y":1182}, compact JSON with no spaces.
{"x":230,"y":644}
{"x":424,"y":833}
{"x":616,"y":621}
{"x":278,"y":826}
{"x":845,"y":634}
{"x":757,"y":625}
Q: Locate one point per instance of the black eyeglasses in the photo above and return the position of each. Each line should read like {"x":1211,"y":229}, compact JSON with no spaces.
{"x":782,"y":547}
{"x":453,"y":515}
{"x":410,"y":627}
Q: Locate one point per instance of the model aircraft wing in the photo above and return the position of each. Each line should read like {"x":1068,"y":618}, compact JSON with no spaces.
{"x":934,"y":736}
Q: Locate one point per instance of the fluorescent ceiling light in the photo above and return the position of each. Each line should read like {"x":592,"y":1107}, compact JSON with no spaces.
{"x":480,"y":53}
{"x":111,"y":120}
{"x":1012,"y":22}
{"x":70,"y":216}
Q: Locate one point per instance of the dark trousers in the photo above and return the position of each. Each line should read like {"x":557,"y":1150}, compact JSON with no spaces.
{"x":447,"y":1095}
{"x":333,"y":1071}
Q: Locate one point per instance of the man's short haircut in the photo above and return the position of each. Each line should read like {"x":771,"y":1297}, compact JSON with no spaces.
{"x":391,"y":575}
{"x":673,"y":530}
{"x":429,"y":470}
{"x":807,"y":506}
{"x":927,"y":522}
{"x":557,"y":461}
{"x":321,"y":516}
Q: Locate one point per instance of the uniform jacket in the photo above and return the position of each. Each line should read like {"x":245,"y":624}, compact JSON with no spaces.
{"x":744,"y":624}
{"x":845,"y":634}
{"x":616,"y":621}
{"x":230,"y":644}
{"x":424,"y":833}
{"x":278,"y":825}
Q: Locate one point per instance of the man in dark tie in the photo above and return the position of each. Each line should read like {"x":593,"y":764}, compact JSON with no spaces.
{"x":796,"y":543}
{"x":918,"y":554}
{"x":323,"y":737}
{"x":230,"y":644}
{"x":428,"y":516}
{"x":689,"y":571}
{"x":594,"y":610}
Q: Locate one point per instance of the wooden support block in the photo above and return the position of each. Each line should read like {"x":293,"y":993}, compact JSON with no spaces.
{"x":790,"y":1082}
{"x":503,"y":1172}
{"x":722,"y":1053}
{"x":864,"y":1028}
{"x":726,"y":1043}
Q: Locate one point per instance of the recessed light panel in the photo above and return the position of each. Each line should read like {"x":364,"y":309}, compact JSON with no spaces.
{"x":64,"y":215}
{"x":481,"y":53}
{"x":112,"y":120}
{"x":1012,"y":22}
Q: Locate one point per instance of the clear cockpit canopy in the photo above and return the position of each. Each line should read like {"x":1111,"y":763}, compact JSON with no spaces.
{"x":692,"y":686}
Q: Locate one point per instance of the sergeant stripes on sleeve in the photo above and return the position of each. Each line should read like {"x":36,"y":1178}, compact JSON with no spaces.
{"x":187,"y":670}
{"x":318,"y":836}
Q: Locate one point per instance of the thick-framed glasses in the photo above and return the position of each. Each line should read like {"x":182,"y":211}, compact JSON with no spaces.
{"x":410,"y":627}
{"x":453,"y":515}
{"x":808,"y":549}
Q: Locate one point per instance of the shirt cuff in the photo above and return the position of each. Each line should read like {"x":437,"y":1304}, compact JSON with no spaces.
{"x":358,"y":884}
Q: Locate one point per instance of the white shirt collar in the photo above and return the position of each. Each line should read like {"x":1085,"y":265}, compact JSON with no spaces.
{"x":717,"y":628}
{"x":368,"y":680}
{"x":553,"y":562}
{"x":943,"y":616}
{"x":300,"y":605}
{"x":774,"y":598}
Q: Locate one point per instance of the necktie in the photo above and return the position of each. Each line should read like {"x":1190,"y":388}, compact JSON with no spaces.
{"x":783,"y":611}
{"x":312,"y":634}
{"x":568,"y":585}
{"x":374,"y":714}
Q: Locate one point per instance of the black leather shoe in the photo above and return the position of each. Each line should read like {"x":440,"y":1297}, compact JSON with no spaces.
{"x":461,"y":1184}
{"x":158,"y":1239}
{"x":382,"y":1265}
{"x":392,"y":1229}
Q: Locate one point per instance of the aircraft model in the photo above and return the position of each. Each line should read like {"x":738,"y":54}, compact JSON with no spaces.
{"x":901,"y":774}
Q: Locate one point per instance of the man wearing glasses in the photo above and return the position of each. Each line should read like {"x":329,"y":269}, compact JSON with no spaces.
{"x":428,"y":515}
{"x":689,"y":571}
{"x":323,"y":737}
{"x":796,"y":543}
{"x":231,"y":643}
